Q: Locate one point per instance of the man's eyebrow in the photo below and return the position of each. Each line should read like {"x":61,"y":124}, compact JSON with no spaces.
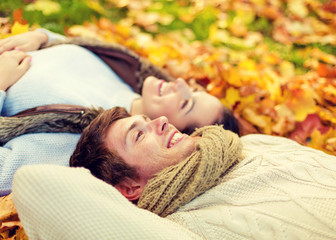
{"x":145,"y":117}
{"x":193,"y":100}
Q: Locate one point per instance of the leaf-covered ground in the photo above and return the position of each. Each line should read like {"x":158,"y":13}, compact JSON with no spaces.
{"x":271,"y":61}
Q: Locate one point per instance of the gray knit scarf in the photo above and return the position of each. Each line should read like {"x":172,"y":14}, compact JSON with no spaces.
{"x":47,"y":119}
{"x":216,"y":151}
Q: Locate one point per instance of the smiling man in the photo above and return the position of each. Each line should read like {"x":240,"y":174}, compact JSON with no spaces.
{"x":168,"y":146}
{"x":214,"y":184}
{"x":128,"y":151}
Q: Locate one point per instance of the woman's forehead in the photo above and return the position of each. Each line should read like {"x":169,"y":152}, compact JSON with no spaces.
{"x":207,"y":109}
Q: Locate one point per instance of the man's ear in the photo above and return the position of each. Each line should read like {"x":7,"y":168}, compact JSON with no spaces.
{"x":130,"y":188}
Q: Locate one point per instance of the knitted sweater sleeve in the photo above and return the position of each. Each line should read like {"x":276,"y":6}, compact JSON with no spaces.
{"x":4,"y":152}
{"x":56,"y":202}
{"x":2,"y":99}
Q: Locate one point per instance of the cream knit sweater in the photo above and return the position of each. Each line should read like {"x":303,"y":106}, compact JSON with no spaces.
{"x":281,"y":190}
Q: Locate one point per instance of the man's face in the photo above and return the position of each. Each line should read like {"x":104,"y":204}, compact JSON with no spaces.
{"x":148,"y":145}
{"x":179,"y":103}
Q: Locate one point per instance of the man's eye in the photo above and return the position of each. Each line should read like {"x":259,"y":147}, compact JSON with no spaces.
{"x":184,"y":104}
{"x":140,"y":133}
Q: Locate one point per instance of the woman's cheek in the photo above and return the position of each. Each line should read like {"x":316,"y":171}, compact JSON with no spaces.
{"x":169,"y":111}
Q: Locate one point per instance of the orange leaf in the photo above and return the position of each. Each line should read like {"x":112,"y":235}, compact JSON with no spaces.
{"x":8,"y":210}
{"x":325,"y":142}
{"x":18,"y":17}
{"x":326,"y":71}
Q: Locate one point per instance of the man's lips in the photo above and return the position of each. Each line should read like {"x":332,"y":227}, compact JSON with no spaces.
{"x":174,"y":139}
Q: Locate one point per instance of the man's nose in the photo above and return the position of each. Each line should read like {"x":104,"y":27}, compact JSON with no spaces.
{"x":160,"y":124}
{"x":182,"y":87}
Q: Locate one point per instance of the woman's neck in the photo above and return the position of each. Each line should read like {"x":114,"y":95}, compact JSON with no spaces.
{"x":137,"y":107}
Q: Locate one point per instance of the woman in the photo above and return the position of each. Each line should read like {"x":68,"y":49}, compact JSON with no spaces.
{"x":70,"y":74}
{"x":69,"y":66}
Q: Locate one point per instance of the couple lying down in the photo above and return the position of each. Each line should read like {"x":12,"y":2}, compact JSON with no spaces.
{"x":90,"y":74}
{"x":136,"y":178}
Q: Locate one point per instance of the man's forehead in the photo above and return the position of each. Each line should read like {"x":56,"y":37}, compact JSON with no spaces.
{"x":114,"y":136}
{"x":117,"y":133}
{"x":122,"y":124}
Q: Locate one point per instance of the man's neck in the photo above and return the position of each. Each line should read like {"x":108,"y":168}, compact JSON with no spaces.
{"x":137,"y":107}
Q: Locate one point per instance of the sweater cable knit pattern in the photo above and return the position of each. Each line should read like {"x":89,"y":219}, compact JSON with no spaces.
{"x":281,"y":191}
{"x":216,"y":151}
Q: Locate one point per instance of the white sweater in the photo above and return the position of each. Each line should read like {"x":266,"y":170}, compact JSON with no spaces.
{"x":281,"y":190}
{"x":62,"y":74}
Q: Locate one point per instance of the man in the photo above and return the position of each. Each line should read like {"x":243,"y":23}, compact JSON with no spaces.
{"x":115,"y":149}
{"x":278,"y":190}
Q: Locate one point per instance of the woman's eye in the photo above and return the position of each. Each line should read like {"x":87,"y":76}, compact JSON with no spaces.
{"x":184,"y":104}
{"x":140,"y":133}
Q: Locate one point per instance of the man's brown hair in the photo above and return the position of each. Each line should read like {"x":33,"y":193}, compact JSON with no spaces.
{"x":92,"y":153}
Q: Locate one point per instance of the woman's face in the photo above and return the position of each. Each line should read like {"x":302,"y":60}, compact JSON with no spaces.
{"x":179,"y":103}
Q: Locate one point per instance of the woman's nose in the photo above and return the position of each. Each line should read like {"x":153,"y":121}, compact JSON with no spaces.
{"x":182,"y":88}
{"x":160,"y":124}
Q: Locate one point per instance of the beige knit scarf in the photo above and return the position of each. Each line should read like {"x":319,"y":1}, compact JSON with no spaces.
{"x":216,"y":151}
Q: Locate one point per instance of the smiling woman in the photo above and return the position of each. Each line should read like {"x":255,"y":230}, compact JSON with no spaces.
{"x":185,"y":108}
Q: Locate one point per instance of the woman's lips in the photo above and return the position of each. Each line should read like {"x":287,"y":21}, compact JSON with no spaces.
{"x":160,"y":88}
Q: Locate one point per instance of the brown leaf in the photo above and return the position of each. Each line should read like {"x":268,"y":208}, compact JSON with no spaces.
{"x":304,"y":129}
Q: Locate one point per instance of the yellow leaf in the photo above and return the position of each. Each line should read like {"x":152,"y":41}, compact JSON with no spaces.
{"x":261,"y":121}
{"x":298,"y":7}
{"x":232,"y":96}
{"x":233,"y":77}
{"x":122,"y":30}
{"x":247,"y":64}
{"x":93,"y":4}
{"x":287,"y":69}
{"x":271,"y":82}
{"x":19,"y":28}
{"x":46,"y":6}
{"x":218,"y":35}
{"x":160,"y":55}
{"x":271,"y":59}
{"x":327,"y":114}
{"x":283,"y":111}
{"x":302,"y":104}
{"x":248,"y":99}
